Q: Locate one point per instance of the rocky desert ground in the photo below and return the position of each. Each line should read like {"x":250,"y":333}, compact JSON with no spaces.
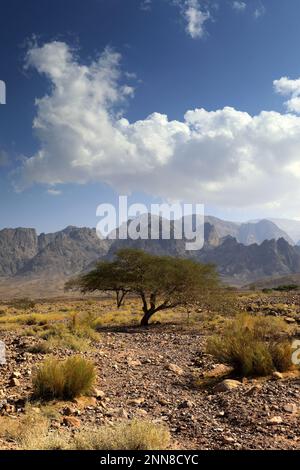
{"x":162,"y":374}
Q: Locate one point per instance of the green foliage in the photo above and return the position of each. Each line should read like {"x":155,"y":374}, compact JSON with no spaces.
{"x":23,"y":304}
{"x":161,"y":282}
{"x":64,"y":379}
{"x":253,"y":346}
{"x":286,"y":288}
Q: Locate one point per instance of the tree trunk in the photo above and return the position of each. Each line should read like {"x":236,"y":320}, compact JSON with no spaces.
{"x":146,"y":317}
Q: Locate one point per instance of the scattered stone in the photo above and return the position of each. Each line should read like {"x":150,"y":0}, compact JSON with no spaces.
{"x":10,"y":408}
{"x":134,"y":363}
{"x":290,"y":320}
{"x":141,"y":412}
{"x":14,"y":382}
{"x":84,"y":402}
{"x":185,"y":404}
{"x":136,"y":401}
{"x":228,"y":439}
{"x":277,"y":376}
{"x":227,"y":385}
{"x":253,"y":390}
{"x":69,"y":411}
{"x":15,"y":375}
{"x":290,"y":408}
{"x":71,"y":422}
{"x":121,"y":413}
{"x":275,"y":420}
{"x":220,"y":370}
{"x":99,"y":394}
{"x":174,"y":368}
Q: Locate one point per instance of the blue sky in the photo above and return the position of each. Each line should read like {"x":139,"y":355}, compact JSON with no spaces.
{"x":168,"y":57}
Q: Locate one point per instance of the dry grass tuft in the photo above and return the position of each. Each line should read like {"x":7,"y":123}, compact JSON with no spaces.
{"x":64,"y":379}
{"x":132,"y":435}
{"x":253,"y":346}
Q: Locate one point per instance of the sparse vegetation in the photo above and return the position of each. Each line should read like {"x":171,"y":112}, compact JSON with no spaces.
{"x":253,"y":346}
{"x":132,"y":435}
{"x":23,"y":304}
{"x":64,"y":379}
{"x":161,"y":282}
{"x":286,"y":288}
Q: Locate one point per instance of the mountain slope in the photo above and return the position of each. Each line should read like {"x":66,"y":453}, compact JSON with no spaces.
{"x":67,"y":252}
{"x":250,"y":233}
{"x":291,"y":227}
{"x":243,"y":264}
{"x":73,"y":250}
{"x":17,"y":247}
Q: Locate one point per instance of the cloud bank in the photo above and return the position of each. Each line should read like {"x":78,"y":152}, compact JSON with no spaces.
{"x":224,"y":157}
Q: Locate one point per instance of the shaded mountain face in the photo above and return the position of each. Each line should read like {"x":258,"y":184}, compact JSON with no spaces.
{"x":291,"y":227}
{"x":250,"y":233}
{"x":242,"y":263}
{"x":174,"y":246}
{"x":223,"y":228}
{"x":17,"y":247}
{"x":74,"y":250}
{"x":22,"y":252}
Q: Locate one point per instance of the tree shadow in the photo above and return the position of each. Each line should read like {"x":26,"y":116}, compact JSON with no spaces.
{"x":137,"y":328}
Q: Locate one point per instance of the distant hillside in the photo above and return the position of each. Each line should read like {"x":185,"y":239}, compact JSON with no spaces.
{"x":249,"y":232}
{"x":22,"y":252}
{"x":241,"y":264}
{"x":291,"y":227}
{"x":26,"y":257}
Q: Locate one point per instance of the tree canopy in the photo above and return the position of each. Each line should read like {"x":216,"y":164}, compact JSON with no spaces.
{"x":161,"y":282}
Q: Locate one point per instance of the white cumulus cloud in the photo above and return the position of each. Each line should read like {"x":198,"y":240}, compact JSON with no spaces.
{"x":225,"y":157}
{"x":288,"y":87}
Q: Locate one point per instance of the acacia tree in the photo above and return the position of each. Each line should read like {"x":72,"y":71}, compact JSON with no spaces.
{"x":106,"y":277}
{"x":161,"y":282}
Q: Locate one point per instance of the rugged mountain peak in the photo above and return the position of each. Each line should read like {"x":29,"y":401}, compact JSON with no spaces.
{"x":17,"y":246}
{"x":257,"y":232}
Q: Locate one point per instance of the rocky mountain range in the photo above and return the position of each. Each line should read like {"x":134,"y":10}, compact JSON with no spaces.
{"x":242,"y":253}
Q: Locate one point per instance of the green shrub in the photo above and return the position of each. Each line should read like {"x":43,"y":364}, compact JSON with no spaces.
{"x":134,"y":435}
{"x":253,"y":346}
{"x":267,"y":290}
{"x":281,"y":355}
{"x":23,"y":304}
{"x":64,"y":379}
{"x":286,"y":288}
{"x":39,"y":348}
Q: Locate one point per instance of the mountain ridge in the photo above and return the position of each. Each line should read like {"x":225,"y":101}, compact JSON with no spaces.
{"x":25,"y":254}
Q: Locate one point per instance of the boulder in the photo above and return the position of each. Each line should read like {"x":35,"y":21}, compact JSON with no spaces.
{"x":227,"y":385}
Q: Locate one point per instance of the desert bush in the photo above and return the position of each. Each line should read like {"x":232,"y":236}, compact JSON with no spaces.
{"x":286,"y":288}
{"x":23,"y":304}
{"x":25,"y":429}
{"x":64,"y":379}
{"x":134,"y":435}
{"x":63,"y":336}
{"x":253,"y":346}
{"x":39,"y":348}
{"x":281,"y":354}
{"x":50,"y":441}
